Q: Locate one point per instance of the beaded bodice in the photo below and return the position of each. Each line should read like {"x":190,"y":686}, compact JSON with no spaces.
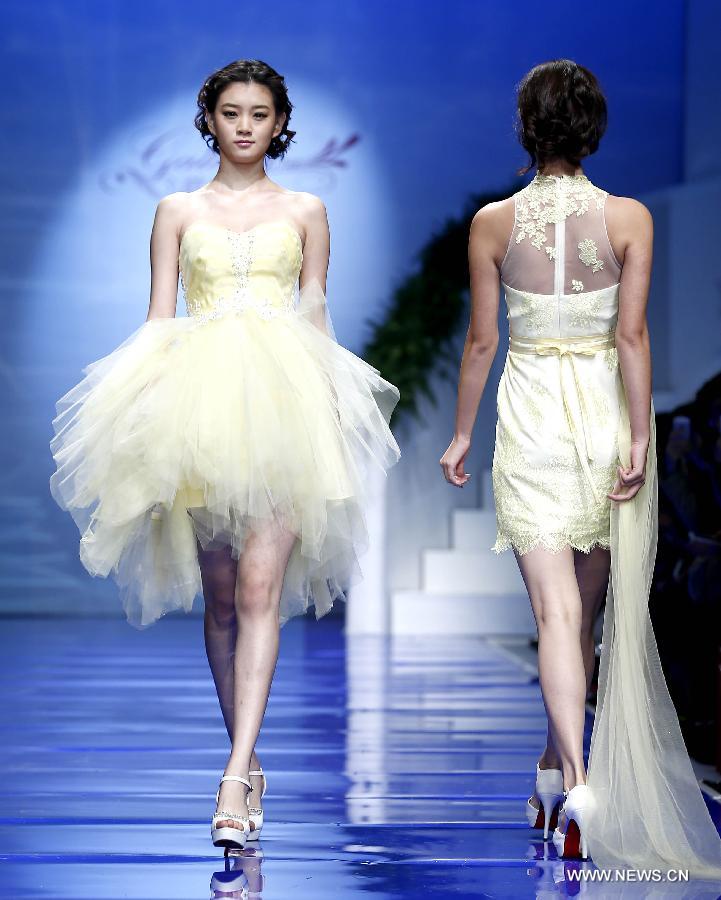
{"x":223,"y":270}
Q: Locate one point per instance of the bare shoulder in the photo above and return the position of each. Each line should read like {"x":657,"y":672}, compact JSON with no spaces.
{"x":309,"y":212}
{"x":491,"y":228}
{"x":309,"y":205}
{"x":627,"y":213}
{"x":174,"y":202}
{"x":171,"y":208}
{"x":494,"y":218}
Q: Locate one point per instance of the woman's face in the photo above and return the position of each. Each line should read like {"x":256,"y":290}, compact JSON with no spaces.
{"x":245,"y":121}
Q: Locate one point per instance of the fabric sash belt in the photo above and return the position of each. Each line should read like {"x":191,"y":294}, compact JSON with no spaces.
{"x":566,"y":349}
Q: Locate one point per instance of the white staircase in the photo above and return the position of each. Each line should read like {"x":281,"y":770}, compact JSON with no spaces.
{"x":467,"y":589}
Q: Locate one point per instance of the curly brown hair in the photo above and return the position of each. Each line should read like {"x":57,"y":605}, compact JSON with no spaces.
{"x":246,"y":71}
{"x":561,"y":113}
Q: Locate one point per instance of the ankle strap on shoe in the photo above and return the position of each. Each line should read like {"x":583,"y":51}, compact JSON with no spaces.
{"x":261,"y":774}
{"x":236,"y":778}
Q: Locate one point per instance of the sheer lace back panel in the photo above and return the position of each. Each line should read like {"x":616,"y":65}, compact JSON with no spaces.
{"x":560,"y":273}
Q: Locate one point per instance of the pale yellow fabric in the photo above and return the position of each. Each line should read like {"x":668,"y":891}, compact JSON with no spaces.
{"x":572,"y":394}
{"x":562,"y":431}
{"x":244,"y":412}
{"x":556,"y":434}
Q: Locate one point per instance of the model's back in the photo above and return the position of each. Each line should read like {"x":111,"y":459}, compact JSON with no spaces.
{"x":560,"y":273}
{"x":558,"y":403}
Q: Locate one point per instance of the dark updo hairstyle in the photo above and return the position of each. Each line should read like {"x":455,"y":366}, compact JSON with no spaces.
{"x":561,"y":113}
{"x":246,"y":71}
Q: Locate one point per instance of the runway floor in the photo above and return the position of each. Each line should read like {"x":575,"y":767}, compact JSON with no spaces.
{"x":395,"y":769}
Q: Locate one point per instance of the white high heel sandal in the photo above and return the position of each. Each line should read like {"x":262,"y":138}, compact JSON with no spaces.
{"x":549,"y":790}
{"x":229,"y":836}
{"x":578,"y":807}
{"x":256,"y":812}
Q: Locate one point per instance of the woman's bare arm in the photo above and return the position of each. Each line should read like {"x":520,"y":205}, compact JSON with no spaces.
{"x":316,"y":250}
{"x":164,"y":252}
{"x":316,"y":253}
{"x":630,"y":229}
{"x":487,"y":244}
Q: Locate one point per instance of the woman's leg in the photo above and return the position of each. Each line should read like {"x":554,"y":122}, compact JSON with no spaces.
{"x":260,"y":573}
{"x":218,"y":572}
{"x":592,"y":571}
{"x":550,"y":579}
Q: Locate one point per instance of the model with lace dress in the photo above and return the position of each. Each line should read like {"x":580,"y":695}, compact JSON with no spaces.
{"x":575,"y":486}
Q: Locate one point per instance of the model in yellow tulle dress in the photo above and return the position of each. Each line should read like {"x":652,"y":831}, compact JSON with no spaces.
{"x":245,"y":411}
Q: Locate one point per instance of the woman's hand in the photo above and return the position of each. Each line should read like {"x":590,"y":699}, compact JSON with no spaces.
{"x":453,"y":460}
{"x":629,"y":481}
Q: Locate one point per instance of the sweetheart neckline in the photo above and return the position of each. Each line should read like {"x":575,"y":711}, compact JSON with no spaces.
{"x":199,"y":222}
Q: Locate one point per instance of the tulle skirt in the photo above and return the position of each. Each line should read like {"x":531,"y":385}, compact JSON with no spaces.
{"x":213,"y":430}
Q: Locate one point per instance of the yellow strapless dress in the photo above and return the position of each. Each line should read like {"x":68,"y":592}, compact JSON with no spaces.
{"x":246,"y":411}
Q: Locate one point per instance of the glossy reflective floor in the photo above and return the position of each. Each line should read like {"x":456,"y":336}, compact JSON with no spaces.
{"x":394,"y":769}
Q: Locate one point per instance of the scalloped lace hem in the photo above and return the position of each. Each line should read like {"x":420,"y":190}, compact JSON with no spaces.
{"x":553,"y":543}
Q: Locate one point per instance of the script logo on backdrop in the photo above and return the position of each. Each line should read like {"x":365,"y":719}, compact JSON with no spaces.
{"x":163,"y":165}
{"x":96,"y":253}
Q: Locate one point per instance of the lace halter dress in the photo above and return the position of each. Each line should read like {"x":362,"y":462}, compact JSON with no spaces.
{"x":563,"y":428}
{"x":558,"y":408}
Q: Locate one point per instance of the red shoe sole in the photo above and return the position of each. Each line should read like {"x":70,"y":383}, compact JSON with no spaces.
{"x":572,"y":843}
{"x":540,"y":818}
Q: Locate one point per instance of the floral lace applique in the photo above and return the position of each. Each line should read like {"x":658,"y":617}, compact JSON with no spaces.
{"x":539,"y":405}
{"x":599,"y":407}
{"x":585,"y":309}
{"x":523,"y":524}
{"x":544,"y":499}
{"x":537,"y":311}
{"x":611,"y":358}
{"x":541,"y":203}
{"x":507,"y":453}
{"x":577,"y":285}
{"x":588,"y":254}
{"x":552,"y":252}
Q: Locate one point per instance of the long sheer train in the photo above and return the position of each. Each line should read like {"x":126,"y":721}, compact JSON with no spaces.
{"x":651,"y":812}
